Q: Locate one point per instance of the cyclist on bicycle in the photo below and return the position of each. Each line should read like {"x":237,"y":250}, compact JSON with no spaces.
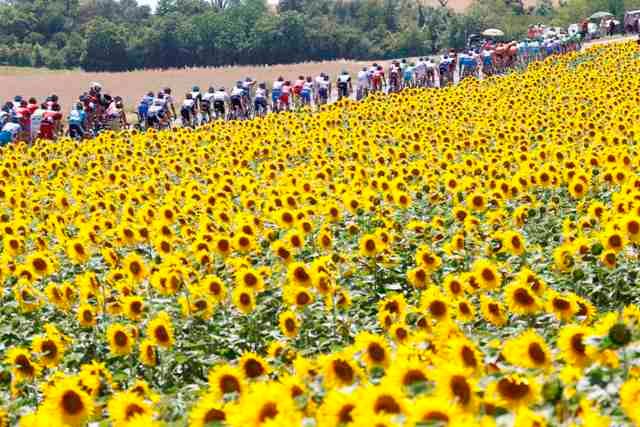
{"x":276,"y":91}
{"x":344,"y":85}
{"x":157,"y":114}
{"x":285,"y":96}
{"x":260,"y":102}
{"x":363,"y":84}
{"x":297,"y":90}
{"x":171,"y":109}
{"x":323,"y":88}
{"x":76,"y":120}
{"x":394,"y":77}
{"x":188,"y":111}
{"x":306,"y":95}
{"x":220,"y":100}
{"x":247,"y":86}
{"x":206,"y":104}
{"x":237,"y":101}
{"x":143,"y":108}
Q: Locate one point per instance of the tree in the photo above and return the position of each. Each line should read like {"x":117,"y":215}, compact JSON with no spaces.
{"x":106,"y":47}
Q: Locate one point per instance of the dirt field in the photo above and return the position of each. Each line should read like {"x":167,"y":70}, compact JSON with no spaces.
{"x":68,"y":85}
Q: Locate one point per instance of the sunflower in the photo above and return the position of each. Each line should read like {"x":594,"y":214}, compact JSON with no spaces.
{"x":464,"y":353}
{"x":283,"y":251}
{"x":253,"y":366}
{"x":289,"y":324}
{"x":613,"y":240}
{"x":563,"y":306}
{"x":86,"y":316}
{"x":77,"y":251}
{"x":394,"y":303}
{"x":160,"y":330}
{"x":207,"y":411}
{"x":50,"y":349}
{"x":66,"y":402}
{"x":265,"y":404}
{"x":298,"y":296}
{"x":427,"y":259}
{"x":243,"y":243}
{"x":337,"y":409}
{"x":577,"y":188}
{"x":324,"y":240}
{"x":435,"y":304}
{"x":135,"y":267}
{"x":513,"y":243}
{"x":226,"y":380}
{"x":487,"y":274}
{"x":514,"y":391}
{"x":134,"y":307}
{"x":374,"y":350}
{"x":399,"y":332}
{"x":455,"y":385}
{"x":380,"y":400}
{"x":299,"y":274}
{"x":520,"y":299}
{"x":433,"y":410}
{"x":222,"y":246}
{"x":408,"y":374}
{"x":120,"y":339}
{"x":244,"y":299}
{"x":609,"y":259}
{"x":250,"y":278}
{"x":453,"y":285}
{"x":370,"y":245}
{"x":215,"y":287}
{"x":21,"y":363}
{"x":40,"y":264}
{"x":629,"y":395}
{"x":418,"y":277}
{"x":493,"y":311}
{"x":528,"y":350}
{"x":465,"y":310}
{"x":125,"y":405}
{"x":339,"y":370}
{"x":631,"y":225}
{"x":571,"y":342}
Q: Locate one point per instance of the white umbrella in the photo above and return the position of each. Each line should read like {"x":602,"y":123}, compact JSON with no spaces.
{"x":493,"y":32}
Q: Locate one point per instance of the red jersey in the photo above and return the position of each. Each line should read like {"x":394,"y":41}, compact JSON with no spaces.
{"x":25,"y":116}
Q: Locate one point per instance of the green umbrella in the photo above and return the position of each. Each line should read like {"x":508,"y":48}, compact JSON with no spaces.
{"x":600,"y":15}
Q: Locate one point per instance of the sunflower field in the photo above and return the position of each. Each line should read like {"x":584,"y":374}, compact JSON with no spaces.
{"x":465,"y":256}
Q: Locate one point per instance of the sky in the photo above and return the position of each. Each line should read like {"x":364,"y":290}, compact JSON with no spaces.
{"x":151,"y":3}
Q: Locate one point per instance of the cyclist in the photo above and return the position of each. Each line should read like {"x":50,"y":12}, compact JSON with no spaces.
{"x":276,"y":91}
{"x":220,"y":100}
{"x":363,"y":84}
{"x":247,"y":87}
{"x":157,"y":113}
{"x":378,"y":79}
{"x":307,"y":91}
{"x":344,"y":85}
{"x":407,"y":76}
{"x":324,"y":89}
{"x":170,"y":108}
{"x":188,"y":111}
{"x":297,"y":90}
{"x":143,"y":108}
{"x":260,"y":102}
{"x":206,"y":104}
{"x":76,"y":121}
{"x":444,"y":69}
{"x":237,"y":103}
{"x":394,"y":77}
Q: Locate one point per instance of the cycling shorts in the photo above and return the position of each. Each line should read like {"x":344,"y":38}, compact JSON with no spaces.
{"x":275,"y":95}
{"x":236,"y":101}
{"x":260,"y":103}
{"x":306,"y":95}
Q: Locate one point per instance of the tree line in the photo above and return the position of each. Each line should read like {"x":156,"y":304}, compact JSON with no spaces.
{"x":118,"y":35}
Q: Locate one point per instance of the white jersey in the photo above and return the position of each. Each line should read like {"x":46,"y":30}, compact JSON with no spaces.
{"x":307,"y":86}
{"x":363,"y":78}
{"x":36,"y":121}
{"x":277,"y":85}
{"x":220,"y":95}
{"x":237,"y":91}
{"x":261,"y":93}
{"x":188,"y":103}
{"x":208,"y":97}
{"x":344,"y":78}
